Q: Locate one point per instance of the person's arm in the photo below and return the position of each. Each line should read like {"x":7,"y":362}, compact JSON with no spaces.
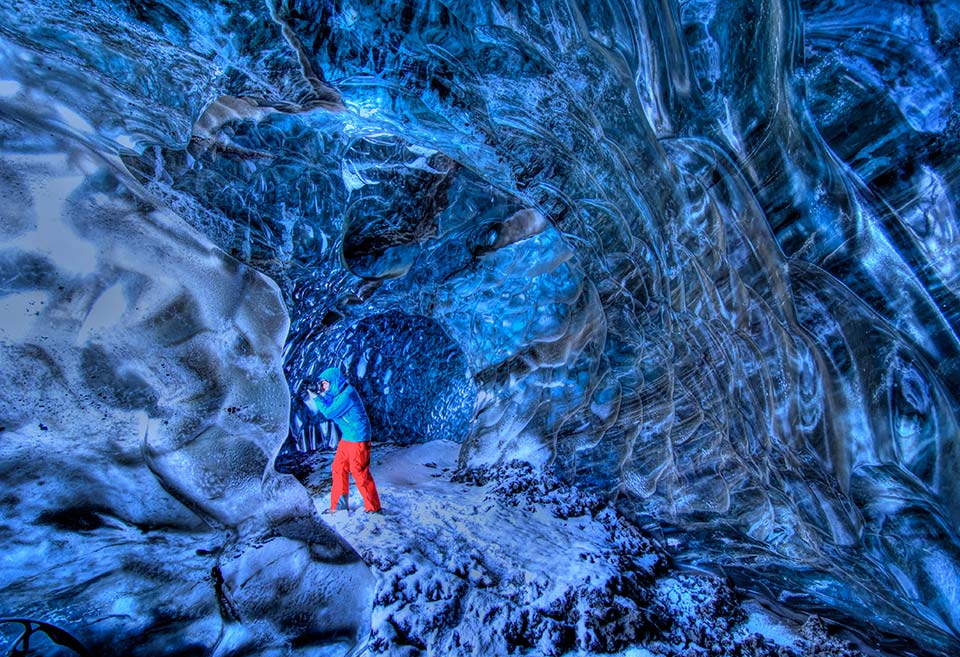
{"x":338,"y":405}
{"x":312,"y":403}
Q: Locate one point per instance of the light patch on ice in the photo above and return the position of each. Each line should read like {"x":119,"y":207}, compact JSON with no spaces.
{"x":353,"y":177}
{"x":53,"y":237}
{"x":362,"y":365}
{"x":143,"y":424}
{"x":9,"y":88}
{"x":125,"y":606}
{"x":73,"y":120}
{"x":124,"y":141}
{"x":648,"y":561}
{"x":727,"y":127}
{"x":18,"y":314}
{"x":107,"y":311}
{"x":531,"y":452}
{"x":761,"y":622}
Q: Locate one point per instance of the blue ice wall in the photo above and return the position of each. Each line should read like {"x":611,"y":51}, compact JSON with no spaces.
{"x":701,"y":257}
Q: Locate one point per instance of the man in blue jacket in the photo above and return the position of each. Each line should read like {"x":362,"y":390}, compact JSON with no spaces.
{"x":335,"y":399}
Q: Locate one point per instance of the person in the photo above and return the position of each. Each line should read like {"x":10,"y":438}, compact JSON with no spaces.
{"x":335,"y":399}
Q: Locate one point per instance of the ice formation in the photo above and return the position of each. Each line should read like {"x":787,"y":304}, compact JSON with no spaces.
{"x":696,"y":258}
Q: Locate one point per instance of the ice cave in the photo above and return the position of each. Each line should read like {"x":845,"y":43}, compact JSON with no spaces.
{"x":654,"y":308}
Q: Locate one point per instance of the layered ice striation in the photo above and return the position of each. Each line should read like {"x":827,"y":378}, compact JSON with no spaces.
{"x":698,"y":257}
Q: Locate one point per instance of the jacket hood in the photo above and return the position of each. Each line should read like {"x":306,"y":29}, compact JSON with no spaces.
{"x":335,"y":378}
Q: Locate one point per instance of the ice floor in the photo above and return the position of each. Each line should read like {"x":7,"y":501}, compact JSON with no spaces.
{"x":515,"y":564}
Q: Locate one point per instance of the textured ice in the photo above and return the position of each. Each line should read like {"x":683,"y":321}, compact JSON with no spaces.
{"x":143,"y":405}
{"x":698,"y":258}
{"x":558,"y":571}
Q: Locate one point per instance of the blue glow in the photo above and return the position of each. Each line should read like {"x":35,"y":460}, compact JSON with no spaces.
{"x":699,"y":259}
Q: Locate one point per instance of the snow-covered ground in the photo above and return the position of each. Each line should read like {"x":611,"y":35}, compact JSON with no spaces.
{"x":509,"y":561}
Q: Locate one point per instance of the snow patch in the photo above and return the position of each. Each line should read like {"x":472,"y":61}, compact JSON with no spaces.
{"x":508,"y":560}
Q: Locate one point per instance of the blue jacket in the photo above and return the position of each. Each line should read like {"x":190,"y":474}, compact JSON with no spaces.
{"x":342,"y":404}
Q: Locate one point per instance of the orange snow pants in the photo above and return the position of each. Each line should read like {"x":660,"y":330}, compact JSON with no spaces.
{"x":353,"y":459}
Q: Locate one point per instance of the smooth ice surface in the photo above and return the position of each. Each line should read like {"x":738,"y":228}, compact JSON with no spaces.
{"x":699,"y":258}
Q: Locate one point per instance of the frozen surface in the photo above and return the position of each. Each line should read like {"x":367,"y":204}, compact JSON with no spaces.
{"x":465,"y":570}
{"x":698,"y":259}
{"x":143,"y":402}
{"x":559,"y":571}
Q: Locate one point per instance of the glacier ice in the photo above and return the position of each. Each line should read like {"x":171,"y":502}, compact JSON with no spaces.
{"x":143,"y":397}
{"x":699,"y":258}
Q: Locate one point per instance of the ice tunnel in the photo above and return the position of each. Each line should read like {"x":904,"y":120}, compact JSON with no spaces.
{"x":415,"y":378}
{"x":698,"y":258}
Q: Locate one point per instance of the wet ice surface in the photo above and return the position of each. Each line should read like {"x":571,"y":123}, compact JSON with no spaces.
{"x":509,"y":561}
{"x":700,"y":258}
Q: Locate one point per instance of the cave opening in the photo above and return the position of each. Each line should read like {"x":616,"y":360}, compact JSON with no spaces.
{"x":414,"y":381}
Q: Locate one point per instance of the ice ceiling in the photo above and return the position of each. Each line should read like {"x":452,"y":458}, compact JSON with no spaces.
{"x":701,"y":257}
